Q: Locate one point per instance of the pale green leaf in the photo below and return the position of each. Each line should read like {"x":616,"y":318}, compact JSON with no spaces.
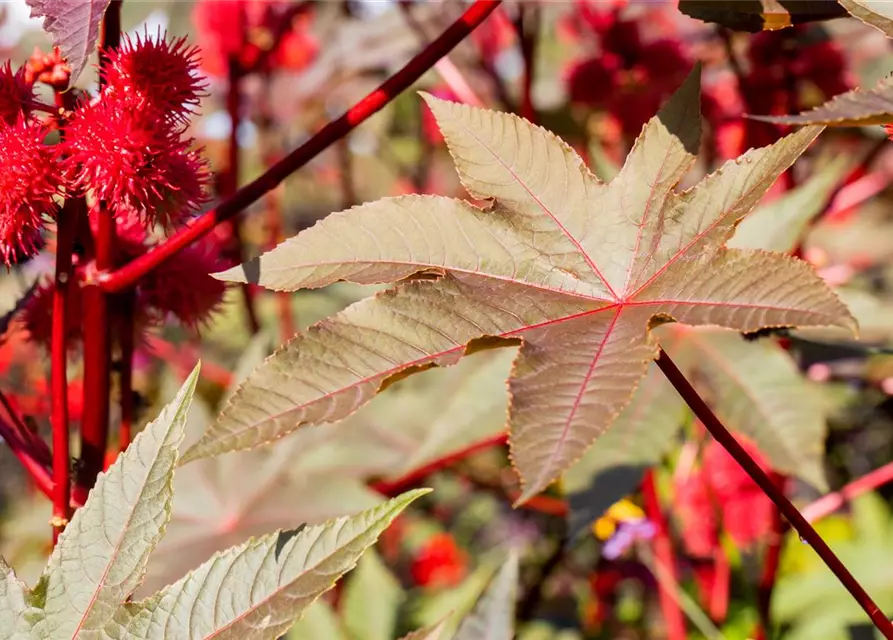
{"x":372,"y":598}
{"x":779,"y":225}
{"x":319,"y":621}
{"x":493,"y":617}
{"x":13,"y":605}
{"x":259,"y":588}
{"x":877,"y":13}
{"x":434,"y":632}
{"x":757,"y":389}
{"x":575,"y":270}
{"x":449,"y":606}
{"x":101,"y":556}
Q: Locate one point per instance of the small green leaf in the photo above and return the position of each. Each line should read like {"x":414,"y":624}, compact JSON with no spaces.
{"x":259,"y":588}
{"x":434,"y":632}
{"x":101,"y":556}
{"x":372,"y":597}
{"x":493,"y":617}
{"x":319,"y":621}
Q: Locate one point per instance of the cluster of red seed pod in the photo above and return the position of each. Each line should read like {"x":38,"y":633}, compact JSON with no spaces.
{"x":126,"y":153}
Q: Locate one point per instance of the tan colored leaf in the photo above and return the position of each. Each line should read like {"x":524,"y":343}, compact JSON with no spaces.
{"x":877,"y":13}
{"x":760,"y":15}
{"x":854,"y":108}
{"x":574,"y":269}
{"x":756,"y":389}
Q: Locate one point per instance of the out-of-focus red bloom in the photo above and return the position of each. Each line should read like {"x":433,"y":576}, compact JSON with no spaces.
{"x":15,"y":94}
{"x":29,"y":179}
{"x":49,"y":68}
{"x":132,"y":157}
{"x":439,"y":562}
{"x":628,"y":77}
{"x":182,"y":287}
{"x":722,"y":493}
{"x":241,"y":29}
{"x":38,"y":315}
{"x":746,"y":509}
{"x":159,"y":74}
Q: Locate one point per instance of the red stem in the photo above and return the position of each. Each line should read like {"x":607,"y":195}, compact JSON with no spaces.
{"x":800,"y":524}
{"x":126,"y":343}
{"x":128,"y":275}
{"x":663,"y":552}
{"x":66,"y":226}
{"x":527,"y":26}
{"x":771,"y":561}
{"x":828,"y":504}
{"x":97,"y":346}
{"x":398,"y":485}
{"x":38,"y":472}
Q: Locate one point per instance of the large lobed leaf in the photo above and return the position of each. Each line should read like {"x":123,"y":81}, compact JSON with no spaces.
{"x":74,"y":25}
{"x":574,"y":269}
{"x":854,"y":108}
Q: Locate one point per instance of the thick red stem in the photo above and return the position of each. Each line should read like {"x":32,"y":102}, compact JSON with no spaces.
{"x":800,"y":524}
{"x":662,"y":548}
{"x":128,"y":275}
{"x":66,"y":226}
{"x":97,"y":345}
{"x":828,"y":504}
{"x":126,"y":337}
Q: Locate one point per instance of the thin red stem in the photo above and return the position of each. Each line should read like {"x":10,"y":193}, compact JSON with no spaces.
{"x":662,"y":547}
{"x":38,"y":472}
{"x":66,"y":228}
{"x":527,"y":26}
{"x":800,"y":524}
{"x":128,"y":275}
{"x":396,"y":486}
{"x":828,"y":504}
{"x":771,"y":560}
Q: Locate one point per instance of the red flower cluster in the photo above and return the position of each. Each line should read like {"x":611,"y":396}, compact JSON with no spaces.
{"x":439,"y":563}
{"x":721,"y":493}
{"x":629,"y":77}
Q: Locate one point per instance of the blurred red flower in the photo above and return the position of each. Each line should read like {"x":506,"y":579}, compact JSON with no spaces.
{"x":439,"y":562}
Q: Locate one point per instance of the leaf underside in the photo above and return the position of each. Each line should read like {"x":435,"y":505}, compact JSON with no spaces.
{"x":854,"y":108}
{"x":493,"y":617}
{"x":576,"y":269}
{"x":877,"y":13}
{"x":74,"y":25}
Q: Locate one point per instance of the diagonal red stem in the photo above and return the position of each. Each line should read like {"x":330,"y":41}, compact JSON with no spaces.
{"x":800,"y":524}
{"x":128,"y":275}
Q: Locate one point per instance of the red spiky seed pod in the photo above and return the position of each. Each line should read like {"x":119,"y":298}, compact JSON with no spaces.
{"x":16,"y":94}
{"x":29,"y":180}
{"x":183,"y":287}
{"x":135,"y":157}
{"x":158,"y":73}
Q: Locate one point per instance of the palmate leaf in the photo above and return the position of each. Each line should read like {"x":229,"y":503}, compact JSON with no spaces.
{"x":74,"y":26}
{"x":575,"y":270}
{"x":854,"y":108}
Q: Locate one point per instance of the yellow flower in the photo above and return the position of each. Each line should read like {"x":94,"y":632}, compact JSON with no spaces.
{"x":621,"y":511}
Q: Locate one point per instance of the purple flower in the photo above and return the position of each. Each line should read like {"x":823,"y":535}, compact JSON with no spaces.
{"x":626,"y":535}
